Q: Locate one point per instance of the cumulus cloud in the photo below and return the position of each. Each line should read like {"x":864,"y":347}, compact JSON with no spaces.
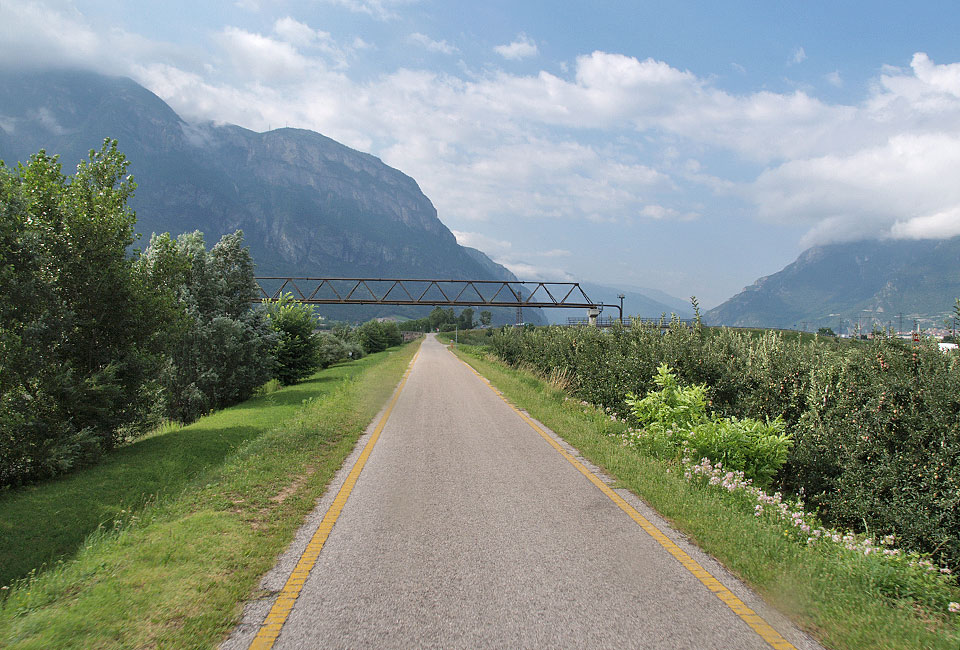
{"x":485,"y":148}
{"x":379,"y":9}
{"x":799,"y":56}
{"x":521,"y":48}
{"x":433,"y":46}
{"x":534,"y":272}
{"x":483,"y":242}
{"x":613,"y":138}
{"x":904,"y":188}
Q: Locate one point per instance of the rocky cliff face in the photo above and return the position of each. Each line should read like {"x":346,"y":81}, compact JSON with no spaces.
{"x":870,"y":282}
{"x":307,"y":204}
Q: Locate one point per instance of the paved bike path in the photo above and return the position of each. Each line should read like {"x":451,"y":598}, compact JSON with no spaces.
{"x":466,"y":529}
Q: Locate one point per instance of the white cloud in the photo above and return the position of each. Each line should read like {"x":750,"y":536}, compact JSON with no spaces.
{"x":295,"y":32}
{"x":379,"y":9}
{"x":482,"y":242}
{"x":799,"y":55}
{"x":614,"y":140}
{"x":834,"y":79}
{"x":904,"y":188}
{"x":434,"y":46}
{"x":521,"y":48}
{"x":659,"y":212}
{"x":263,"y":58}
{"x":533,"y":272}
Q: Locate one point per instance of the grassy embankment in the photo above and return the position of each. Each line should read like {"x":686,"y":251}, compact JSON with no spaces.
{"x":833,"y":595}
{"x":163,"y":541}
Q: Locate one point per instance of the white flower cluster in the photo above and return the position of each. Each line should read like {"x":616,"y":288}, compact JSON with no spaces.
{"x":805,"y":524}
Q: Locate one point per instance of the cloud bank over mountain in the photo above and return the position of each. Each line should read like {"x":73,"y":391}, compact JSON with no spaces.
{"x":601,"y":138}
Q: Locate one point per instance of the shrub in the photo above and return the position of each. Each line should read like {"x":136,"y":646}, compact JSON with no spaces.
{"x":333,"y":349}
{"x":674,"y":422}
{"x":298,"y":346}
{"x":374,"y":336}
{"x":217,"y":349}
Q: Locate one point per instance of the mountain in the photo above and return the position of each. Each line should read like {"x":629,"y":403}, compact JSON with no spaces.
{"x":866,"y":282}
{"x":637,"y":301}
{"x":307,"y":205}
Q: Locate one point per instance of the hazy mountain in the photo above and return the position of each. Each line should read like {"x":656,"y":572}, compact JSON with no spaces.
{"x":863,"y":282}
{"x":642,"y":302}
{"x":307,"y":204}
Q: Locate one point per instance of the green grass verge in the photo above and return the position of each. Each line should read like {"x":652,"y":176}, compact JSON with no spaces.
{"x":832,"y":595}
{"x":201,"y":514}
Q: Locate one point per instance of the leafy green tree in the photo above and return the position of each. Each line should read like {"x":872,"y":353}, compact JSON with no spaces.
{"x":439,"y":317}
{"x":218,"y":350}
{"x":465,"y":321}
{"x":486,"y":317}
{"x":298,"y":346}
{"x":371,"y":337}
{"x":374,"y":336}
{"x":72,"y":324}
{"x":826,"y":331}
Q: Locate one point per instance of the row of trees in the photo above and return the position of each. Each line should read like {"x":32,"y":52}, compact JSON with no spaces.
{"x":97,"y":345}
{"x":446,"y":320}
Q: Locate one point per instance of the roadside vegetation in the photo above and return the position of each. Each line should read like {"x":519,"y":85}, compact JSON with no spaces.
{"x":161,"y":544}
{"x":100,"y":345}
{"x":849,"y":590}
{"x":446,"y":320}
{"x":874,"y":426}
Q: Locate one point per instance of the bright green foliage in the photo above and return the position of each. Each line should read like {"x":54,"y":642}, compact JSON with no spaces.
{"x":298,"y":346}
{"x":670,"y":407}
{"x":445,"y":320}
{"x":217,"y":349}
{"x":758,"y":449}
{"x":72,"y":360}
{"x":673,"y":421}
{"x":486,"y":317}
{"x":375,"y":336}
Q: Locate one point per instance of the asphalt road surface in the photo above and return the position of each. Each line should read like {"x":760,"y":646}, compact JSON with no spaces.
{"x":468,"y":529}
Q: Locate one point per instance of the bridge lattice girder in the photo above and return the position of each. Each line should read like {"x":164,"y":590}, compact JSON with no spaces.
{"x":452,"y":293}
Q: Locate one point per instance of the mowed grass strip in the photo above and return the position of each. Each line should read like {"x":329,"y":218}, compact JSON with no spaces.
{"x":830,"y":594}
{"x":175,"y":571}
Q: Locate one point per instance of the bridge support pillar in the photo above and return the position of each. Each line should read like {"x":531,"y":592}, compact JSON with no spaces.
{"x":592,"y":315}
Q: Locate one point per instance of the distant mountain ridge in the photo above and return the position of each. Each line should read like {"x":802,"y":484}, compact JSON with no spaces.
{"x":637,"y":301}
{"x":866,"y":282}
{"x":307,"y":205}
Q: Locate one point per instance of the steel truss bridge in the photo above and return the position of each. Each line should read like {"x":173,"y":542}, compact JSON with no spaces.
{"x":441,"y":293}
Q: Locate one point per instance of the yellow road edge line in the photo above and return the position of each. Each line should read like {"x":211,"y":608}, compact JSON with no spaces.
{"x":727,"y":597}
{"x":270,"y":628}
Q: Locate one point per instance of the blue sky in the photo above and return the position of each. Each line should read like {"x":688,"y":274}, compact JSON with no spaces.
{"x":686,"y":146}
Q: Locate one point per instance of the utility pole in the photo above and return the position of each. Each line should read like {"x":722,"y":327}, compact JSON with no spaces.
{"x":900,"y":330}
